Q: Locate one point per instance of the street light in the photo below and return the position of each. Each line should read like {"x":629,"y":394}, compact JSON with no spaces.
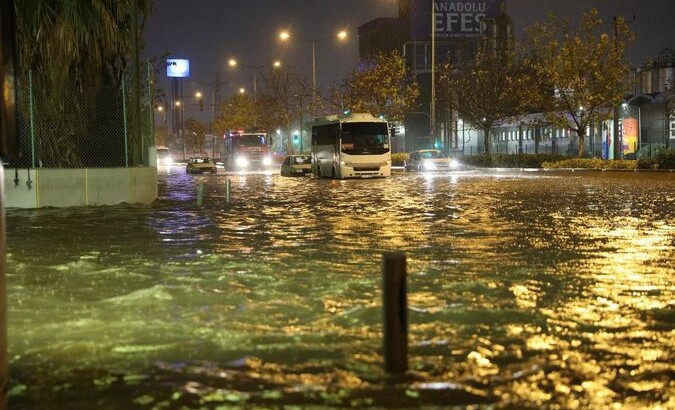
{"x":340,"y":35}
{"x":232,"y":62}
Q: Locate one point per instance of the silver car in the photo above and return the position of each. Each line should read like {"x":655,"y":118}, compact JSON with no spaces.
{"x":296,"y":165}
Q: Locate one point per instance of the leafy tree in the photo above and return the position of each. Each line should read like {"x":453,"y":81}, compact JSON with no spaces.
{"x":195,"y":133}
{"x":485,"y":90}
{"x":162,"y":136}
{"x":241,"y":111}
{"x":286,"y":100}
{"x":577,"y":75}
{"x":76,"y":51}
{"x":380,"y":85}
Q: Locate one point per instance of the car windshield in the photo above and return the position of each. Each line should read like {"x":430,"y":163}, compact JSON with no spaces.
{"x":200,"y":160}
{"x":432,"y":154}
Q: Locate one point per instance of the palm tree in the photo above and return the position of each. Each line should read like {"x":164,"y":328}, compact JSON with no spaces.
{"x":71,"y":48}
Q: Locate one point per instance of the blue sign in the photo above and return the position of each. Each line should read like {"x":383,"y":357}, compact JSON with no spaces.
{"x":453,"y":18}
{"x":177,"y":67}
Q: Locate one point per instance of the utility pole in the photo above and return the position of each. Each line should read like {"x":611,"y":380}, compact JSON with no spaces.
{"x":615,"y":130}
{"x":137,"y":140}
{"x":432,"y":105}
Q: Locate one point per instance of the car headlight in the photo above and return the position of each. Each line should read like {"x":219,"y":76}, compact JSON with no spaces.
{"x":454,"y":163}
{"x":241,"y":161}
{"x":167,"y":161}
{"x":385,"y":163}
{"x":267,"y":161}
{"x":346,"y":164}
{"x":428,"y":166}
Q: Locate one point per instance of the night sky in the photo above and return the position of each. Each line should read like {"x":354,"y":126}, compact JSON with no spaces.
{"x":208,"y":32}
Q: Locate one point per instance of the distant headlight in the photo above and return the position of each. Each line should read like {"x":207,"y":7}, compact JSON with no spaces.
{"x":428,"y":166}
{"x":241,"y":162}
{"x":267,"y":161}
{"x":346,"y":164}
{"x":454,"y":163}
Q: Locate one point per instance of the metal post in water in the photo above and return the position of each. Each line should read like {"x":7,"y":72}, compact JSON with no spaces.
{"x":227,"y":191}
{"x":395,"y":312}
{"x":200,"y":194}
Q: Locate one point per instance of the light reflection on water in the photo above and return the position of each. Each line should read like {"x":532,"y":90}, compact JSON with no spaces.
{"x":524,"y":290}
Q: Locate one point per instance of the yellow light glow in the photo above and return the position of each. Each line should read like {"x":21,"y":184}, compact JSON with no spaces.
{"x":284,"y":35}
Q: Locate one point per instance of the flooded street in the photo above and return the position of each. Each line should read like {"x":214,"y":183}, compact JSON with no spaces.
{"x":525,"y":289}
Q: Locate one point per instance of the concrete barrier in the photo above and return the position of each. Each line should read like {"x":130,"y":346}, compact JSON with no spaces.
{"x":49,"y":187}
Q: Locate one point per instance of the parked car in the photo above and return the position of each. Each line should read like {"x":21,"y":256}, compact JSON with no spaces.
{"x":296,"y":165}
{"x":429,"y":160}
{"x":199,"y":165}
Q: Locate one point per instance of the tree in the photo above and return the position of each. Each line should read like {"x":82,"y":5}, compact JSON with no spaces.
{"x":74,"y":51}
{"x":286,"y":100}
{"x":577,"y":75}
{"x":162,"y":136}
{"x":380,"y":85}
{"x":485,"y":90}
{"x":238,"y":112}
{"x":195,"y":133}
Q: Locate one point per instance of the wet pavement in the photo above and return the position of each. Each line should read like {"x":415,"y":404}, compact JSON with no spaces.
{"x":525,"y":289}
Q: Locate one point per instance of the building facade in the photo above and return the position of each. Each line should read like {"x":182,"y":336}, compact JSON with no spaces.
{"x":645,"y":122}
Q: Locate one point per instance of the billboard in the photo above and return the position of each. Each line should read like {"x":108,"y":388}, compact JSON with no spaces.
{"x":453,"y":18}
{"x":629,"y":139}
{"x":177,"y":67}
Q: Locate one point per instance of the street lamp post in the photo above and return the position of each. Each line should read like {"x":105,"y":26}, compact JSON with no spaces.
{"x":340,"y":35}
{"x":233,"y":63}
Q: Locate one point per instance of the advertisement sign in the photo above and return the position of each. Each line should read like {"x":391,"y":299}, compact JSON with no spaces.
{"x":672,"y":126}
{"x":629,"y":138}
{"x":453,"y":18}
{"x":177,"y":67}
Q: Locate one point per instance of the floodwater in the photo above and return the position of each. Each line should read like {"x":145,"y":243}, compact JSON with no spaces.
{"x":525,"y":289}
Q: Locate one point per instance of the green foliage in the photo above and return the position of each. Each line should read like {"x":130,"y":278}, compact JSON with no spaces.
{"x":195,"y":133}
{"x":162,"y":136}
{"x":577,"y":71}
{"x":510,"y":161}
{"x":591,"y":163}
{"x":239,"y":112}
{"x":398,"y":158}
{"x":661,"y":159}
{"x":485,"y":91}
{"x":381,"y":85}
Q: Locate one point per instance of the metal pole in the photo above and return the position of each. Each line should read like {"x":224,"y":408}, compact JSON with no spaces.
{"x":136,"y":90}
{"x":255,"y":84}
{"x":151,"y":102}
{"x":394,"y":304}
{"x":32,"y":116}
{"x":200,"y":194}
{"x":126,"y":125}
{"x":432,"y":110}
{"x":615,"y":128}
{"x":313,"y":78}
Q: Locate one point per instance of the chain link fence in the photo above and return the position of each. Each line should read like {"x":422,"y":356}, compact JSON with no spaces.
{"x":78,"y":124}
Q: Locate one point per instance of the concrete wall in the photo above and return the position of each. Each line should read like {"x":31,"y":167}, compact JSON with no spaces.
{"x":43,"y":187}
